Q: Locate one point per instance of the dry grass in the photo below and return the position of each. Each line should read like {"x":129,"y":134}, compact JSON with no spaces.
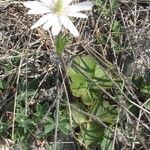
{"x":27,"y":56}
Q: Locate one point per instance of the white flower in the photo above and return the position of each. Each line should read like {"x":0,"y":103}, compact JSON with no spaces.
{"x":56,"y":13}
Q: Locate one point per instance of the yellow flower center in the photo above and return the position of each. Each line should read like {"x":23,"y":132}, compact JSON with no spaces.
{"x":59,"y":7}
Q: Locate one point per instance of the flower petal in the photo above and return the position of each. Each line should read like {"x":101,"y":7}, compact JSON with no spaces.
{"x":32,"y":4}
{"x":56,"y":27}
{"x":47,"y":25}
{"x":67,"y":2}
{"x":47,"y":2}
{"x":78,"y":15}
{"x":69,"y":25}
{"x":79,"y":7}
{"x":41,"y":21}
{"x":40,"y":11}
{"x":50,"y":22}
{"x":36,"y":7}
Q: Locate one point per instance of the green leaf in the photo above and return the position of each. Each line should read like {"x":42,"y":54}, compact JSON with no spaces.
{"x":99,"y":73}
{"x":1,"y":85}
{"x":104,"y":111}
{"x":106,"y":8}
{"x":146,"y":89}
{"x":64,"y":126}
{"x":80,"y":86}
{"x":102,"y":79}
{"x":86,"y":64}
{"x":60,"y":43}
{"x":78,"y":116}
{"x":106,"y":144}
{"x":77,"y":79}
{"x":84,"y":74}
{"x":48,"y":128}
{"x":147,"y":105}
{"x":116,"y":26}
{"x":91,"y":135}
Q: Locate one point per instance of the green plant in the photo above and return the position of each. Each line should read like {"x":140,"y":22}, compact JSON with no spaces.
{"x":86,"y":76}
